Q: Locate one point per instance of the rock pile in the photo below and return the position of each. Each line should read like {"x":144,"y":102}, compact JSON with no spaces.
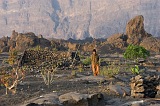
{"x":142,"y":86}
{"x":158,"y":92}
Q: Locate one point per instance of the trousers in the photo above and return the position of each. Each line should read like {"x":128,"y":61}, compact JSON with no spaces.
{"x":95,"y":69}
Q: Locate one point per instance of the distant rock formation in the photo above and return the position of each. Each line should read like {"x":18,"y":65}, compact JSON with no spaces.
{"x":22,"y":41}
{"x":135,"y":34}
{"x":76,"y":19}
{"x":135,"y":30}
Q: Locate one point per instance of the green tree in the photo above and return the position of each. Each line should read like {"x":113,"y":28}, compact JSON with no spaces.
{"x":133,"y":52}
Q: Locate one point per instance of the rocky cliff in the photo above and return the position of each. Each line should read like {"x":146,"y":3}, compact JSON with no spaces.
{"x":76,"y":19}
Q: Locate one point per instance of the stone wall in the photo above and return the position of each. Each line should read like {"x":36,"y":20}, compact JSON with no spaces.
{"x":145,"y":86}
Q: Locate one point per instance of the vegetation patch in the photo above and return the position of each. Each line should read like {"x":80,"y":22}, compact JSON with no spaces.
{"x":86,"y":61}
{"x":134,"y":52}
{"x":110,"y":70}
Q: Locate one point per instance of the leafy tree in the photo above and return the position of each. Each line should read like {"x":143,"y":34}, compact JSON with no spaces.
{"x":133,"y":52}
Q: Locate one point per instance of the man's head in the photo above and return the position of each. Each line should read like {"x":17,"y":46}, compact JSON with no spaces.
{"x":94,"y":51}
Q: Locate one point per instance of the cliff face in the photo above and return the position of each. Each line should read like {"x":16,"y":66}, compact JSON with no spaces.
{"x":76,"y":19}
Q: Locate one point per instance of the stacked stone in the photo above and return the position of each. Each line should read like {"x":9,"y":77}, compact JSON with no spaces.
{"x":142,"y":86}
{"x":158,"y":92}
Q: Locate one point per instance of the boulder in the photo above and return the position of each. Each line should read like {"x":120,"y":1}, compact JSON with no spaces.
{"x":119,"y":90}
{"x":47,"y":100}
{"x":76,"y":99}
{"x":135,"y":30}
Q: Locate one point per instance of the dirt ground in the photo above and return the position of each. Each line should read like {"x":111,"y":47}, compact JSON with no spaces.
{"x":34,"y":86}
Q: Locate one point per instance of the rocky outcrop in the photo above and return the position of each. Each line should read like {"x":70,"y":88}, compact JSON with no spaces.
{"x":22,"y":41}
{"x":136,"y":26}
{"x":137,"y":35}
{"x":135,"y":30}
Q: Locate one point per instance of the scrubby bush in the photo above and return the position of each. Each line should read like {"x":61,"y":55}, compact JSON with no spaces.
{"x":12,"y":57}
{"x":133,"y":52}
{"x":110,"y":70}
{"x":86,"y":61}
{"x":11,"y":79}
{"x":135,"y":69}
{"x":80,"y":68}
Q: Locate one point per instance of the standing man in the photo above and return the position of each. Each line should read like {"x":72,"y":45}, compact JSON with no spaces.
{"x":95,"y":63}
